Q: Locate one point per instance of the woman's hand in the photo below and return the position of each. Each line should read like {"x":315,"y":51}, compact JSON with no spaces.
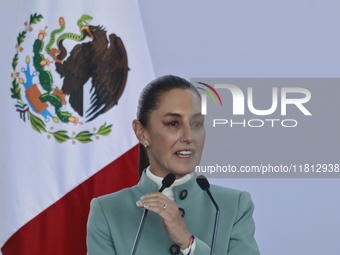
{"x":170,"y":216}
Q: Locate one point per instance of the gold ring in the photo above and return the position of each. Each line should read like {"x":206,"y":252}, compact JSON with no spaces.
{"x":164,"y":207}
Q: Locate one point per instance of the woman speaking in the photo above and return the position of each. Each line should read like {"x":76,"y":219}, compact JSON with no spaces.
{"x":181,"y":219}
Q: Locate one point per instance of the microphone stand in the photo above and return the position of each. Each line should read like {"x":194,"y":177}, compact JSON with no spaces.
{"x":217,"y":217}
{"x":166,"y":183}
{"x":204,"y":185}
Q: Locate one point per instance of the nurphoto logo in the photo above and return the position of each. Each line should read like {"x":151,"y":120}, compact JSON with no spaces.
{"x":242,"y":104}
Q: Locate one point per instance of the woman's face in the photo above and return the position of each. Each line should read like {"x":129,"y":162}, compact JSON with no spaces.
{"x":176,"y":133}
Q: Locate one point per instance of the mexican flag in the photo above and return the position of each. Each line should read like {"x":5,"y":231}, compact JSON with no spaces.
{"x":72,"y":72}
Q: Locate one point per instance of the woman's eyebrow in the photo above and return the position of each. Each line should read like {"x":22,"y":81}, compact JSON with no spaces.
{"x":173,"y":114}
{"x":198,"y":115}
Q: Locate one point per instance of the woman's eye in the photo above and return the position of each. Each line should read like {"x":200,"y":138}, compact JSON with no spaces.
{"x":173,"y":124}
{"x":197,"y":124}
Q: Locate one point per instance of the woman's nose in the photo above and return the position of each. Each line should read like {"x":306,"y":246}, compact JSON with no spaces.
{"x":186,"y":134}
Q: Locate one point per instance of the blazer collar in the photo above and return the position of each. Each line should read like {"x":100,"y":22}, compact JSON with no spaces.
{"x":146,"y":185}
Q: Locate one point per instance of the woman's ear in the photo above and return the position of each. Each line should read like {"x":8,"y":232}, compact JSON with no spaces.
{"x":140,"y":133}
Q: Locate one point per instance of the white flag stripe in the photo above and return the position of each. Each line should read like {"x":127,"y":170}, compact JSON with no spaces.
{"x":37,"y":171}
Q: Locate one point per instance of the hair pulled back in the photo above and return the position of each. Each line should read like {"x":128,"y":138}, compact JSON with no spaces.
{"x":149,"y":99}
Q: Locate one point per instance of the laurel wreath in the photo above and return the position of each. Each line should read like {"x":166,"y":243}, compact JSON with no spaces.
{"x":37,"y":124}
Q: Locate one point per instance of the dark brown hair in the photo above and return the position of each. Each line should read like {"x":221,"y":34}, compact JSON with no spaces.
{"x":149,"y":98}
{"x":149,"y":101}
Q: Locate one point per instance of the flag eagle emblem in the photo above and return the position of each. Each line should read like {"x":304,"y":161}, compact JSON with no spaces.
{"x":49,"y":78}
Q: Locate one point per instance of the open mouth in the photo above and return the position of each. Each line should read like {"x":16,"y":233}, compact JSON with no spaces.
{"x":184,"y":153}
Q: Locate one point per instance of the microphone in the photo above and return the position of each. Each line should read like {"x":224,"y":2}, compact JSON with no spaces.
{"x":166,"y":183}
{"x":204,"y":185}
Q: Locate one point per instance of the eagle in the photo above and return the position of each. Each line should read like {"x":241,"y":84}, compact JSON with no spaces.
{"x":104,"y":61}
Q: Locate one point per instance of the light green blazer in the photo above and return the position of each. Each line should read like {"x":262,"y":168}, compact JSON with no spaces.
{"x":114,"y":220}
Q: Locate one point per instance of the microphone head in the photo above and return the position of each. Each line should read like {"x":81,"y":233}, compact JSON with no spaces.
{"x":168,"y":180}
{"x":203,"y":182}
